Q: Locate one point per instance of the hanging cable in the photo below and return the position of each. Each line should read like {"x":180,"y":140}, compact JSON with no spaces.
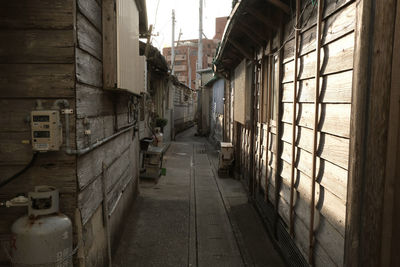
{"x":6,"y":181}
{"x":295,"y":27}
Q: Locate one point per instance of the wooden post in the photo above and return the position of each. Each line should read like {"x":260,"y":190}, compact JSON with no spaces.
{"x":253,"y":126}
{"x":278,"y":145}
{"x":109,"y":44}
{"x":268,"y":125}
{"x":261,"y":105}
{"x":391,"y":212}
{"x":369,"y":137}
{"x":362,"y":67}
{"x":257,"y":107}
{"x":295,"y":78}
{"x":315,"y":132}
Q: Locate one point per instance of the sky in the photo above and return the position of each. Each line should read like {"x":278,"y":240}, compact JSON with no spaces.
{"x":186,"y":17}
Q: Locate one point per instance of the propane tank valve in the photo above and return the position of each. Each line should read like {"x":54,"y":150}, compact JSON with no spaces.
{"x":19,"y":201}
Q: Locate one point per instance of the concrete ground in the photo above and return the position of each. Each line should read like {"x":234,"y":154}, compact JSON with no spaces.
{"x":193,"y":218}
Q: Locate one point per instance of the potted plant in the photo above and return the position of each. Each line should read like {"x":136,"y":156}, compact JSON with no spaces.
{"x":161,"y":122}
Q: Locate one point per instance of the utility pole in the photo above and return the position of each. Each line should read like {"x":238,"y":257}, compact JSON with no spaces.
{"x":199,"y":66}
{"x":173,"y":42}
{"x":200,"y":45}
{"x":146,"y":53}
{"x":189,"y":68}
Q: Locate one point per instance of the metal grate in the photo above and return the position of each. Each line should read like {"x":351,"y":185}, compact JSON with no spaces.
{"x":288,"y":248}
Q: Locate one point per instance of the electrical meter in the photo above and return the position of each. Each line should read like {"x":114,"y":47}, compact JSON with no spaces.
{"x":46,"y":130}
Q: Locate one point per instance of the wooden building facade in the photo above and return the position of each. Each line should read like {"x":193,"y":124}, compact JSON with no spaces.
{"x":184,"y":107}
{"x":68,"y":50}
{"x":312,"y":108}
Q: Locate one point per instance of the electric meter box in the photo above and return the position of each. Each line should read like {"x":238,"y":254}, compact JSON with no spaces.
{"x":46,"y":130}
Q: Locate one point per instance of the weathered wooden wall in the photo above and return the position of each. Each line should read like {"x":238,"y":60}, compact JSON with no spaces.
{"x":272,"y":160}
{"x":391,"y":215}
{"x":53,"y":50}
{"x":144,"y":117}
{"x":104,"y":113}
{"x":36,"y":62}
{"x":183,"y":108}
{"x":162,"y":90}
{"x":217,"y":110}
{"x":333,"y":131}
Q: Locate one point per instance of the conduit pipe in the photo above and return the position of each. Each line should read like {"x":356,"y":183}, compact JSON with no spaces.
{"x":87,"y":149}
{"x":65,"y":104}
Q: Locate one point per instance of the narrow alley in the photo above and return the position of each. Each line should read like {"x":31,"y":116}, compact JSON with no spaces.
{"x":199,"y":133}
{"x":190,"y":217}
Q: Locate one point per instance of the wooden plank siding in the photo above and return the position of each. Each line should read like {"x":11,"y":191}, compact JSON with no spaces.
{"x":104,"y":113}
{"x":36,"y":62}
{"x":333,"y":132}
{"x":183,"y":105}
{"x":54,"y":50}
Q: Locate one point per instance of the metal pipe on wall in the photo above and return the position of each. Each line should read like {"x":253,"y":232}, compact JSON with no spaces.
{"x":85,"y":150}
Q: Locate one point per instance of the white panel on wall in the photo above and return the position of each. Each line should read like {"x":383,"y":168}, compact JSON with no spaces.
{"x":130,"y":69}
{"x":240,"y":93}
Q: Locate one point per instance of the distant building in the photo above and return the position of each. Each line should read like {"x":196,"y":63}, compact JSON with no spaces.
{"x":220,"y":24}
{"x":186,"y":54}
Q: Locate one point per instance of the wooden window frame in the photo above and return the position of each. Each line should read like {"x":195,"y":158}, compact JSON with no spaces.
{"x":270,"y":88}
{"x":265,"y":89}
{"x":274,"y":88}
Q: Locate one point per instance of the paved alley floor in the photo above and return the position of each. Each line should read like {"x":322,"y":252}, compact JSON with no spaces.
{"x":193,"y":218}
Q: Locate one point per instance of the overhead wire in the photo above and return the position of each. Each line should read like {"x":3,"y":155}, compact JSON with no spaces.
{"x":155,"y":17}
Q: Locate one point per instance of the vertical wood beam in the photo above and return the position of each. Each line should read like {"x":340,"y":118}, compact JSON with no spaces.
{"x":369,"y":132}
{"x":257,"y":124}
{"x":391,"y":212}
{"x":109,"y":21}
{"x":362,"y":68}
{"x":268,"y":121}
{"x":315,"y":131}
{"x":278,"y":146}
{"x":260,"y":116}
{"x":295,"y":78}
{"x":253,"y":125}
